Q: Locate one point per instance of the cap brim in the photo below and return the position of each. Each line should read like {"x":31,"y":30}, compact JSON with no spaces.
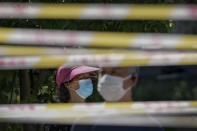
{"x":81,"y":70}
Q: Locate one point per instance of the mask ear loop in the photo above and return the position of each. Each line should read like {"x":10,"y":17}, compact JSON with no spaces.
{"x":132,"y":76}
{"x":129,"y":76}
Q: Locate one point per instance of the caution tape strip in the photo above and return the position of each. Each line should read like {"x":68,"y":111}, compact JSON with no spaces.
{"x":98,"y":11}
{"x":101,"y":113}
{"x":7,"y":50}
{"x":116,"y":120}
{"x":133,"y":58}
{"x":97,"y":39}
{"x":45,"y":51}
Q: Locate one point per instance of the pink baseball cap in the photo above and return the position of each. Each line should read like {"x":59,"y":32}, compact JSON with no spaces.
{"x":65,"y":74}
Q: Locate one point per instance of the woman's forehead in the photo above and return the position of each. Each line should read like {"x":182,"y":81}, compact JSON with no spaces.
{"x":123,"y":71}
{"x":116,"y":69}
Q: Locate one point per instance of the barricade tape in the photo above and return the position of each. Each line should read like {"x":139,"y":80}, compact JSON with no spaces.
{"x":116,"y":120}
{"x":6,"y":50}
{"x":134,"y":58}
{"x":41,"y":51}
{"x":97,"y":39}
{"x":101,"y":113}
{"x":98,"y":11}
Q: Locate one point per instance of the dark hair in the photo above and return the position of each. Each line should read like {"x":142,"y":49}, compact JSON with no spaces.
{"x":63,"y":94}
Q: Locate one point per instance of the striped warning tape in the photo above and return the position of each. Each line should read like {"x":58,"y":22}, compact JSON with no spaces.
{"x":98,"y":11}
{"x":140,"y":58}
{"x":42,"y":51}
{"x":97,"y":39}
{"x":97,"y":112}
{"x":7,"y":50}
{"x":116,"y":120}
{"x":53,"y":51}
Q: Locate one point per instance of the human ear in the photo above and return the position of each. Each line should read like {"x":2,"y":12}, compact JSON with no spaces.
{"x":134,"y":80}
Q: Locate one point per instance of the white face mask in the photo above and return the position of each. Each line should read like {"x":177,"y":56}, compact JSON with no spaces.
{"x":111,"y":87}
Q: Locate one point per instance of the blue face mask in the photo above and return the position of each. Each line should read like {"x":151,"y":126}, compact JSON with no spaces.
{"x":85,"y":88}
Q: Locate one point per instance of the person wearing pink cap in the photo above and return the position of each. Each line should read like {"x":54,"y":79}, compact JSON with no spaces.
{"x":76,"y":83}
{"x":114,"y":85}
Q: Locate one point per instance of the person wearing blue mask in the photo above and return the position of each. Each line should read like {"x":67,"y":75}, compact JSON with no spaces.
{"x":79,"y":86}
{"x":76,"y":83}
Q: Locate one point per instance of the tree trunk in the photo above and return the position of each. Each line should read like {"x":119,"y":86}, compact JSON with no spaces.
{"x":25,"y":94}
{"x":25,"y":87}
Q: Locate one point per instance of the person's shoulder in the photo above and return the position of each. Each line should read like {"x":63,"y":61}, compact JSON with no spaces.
{"x":114,"y":128}
{"x":127,"y":128}
{"x":53,"y":127}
